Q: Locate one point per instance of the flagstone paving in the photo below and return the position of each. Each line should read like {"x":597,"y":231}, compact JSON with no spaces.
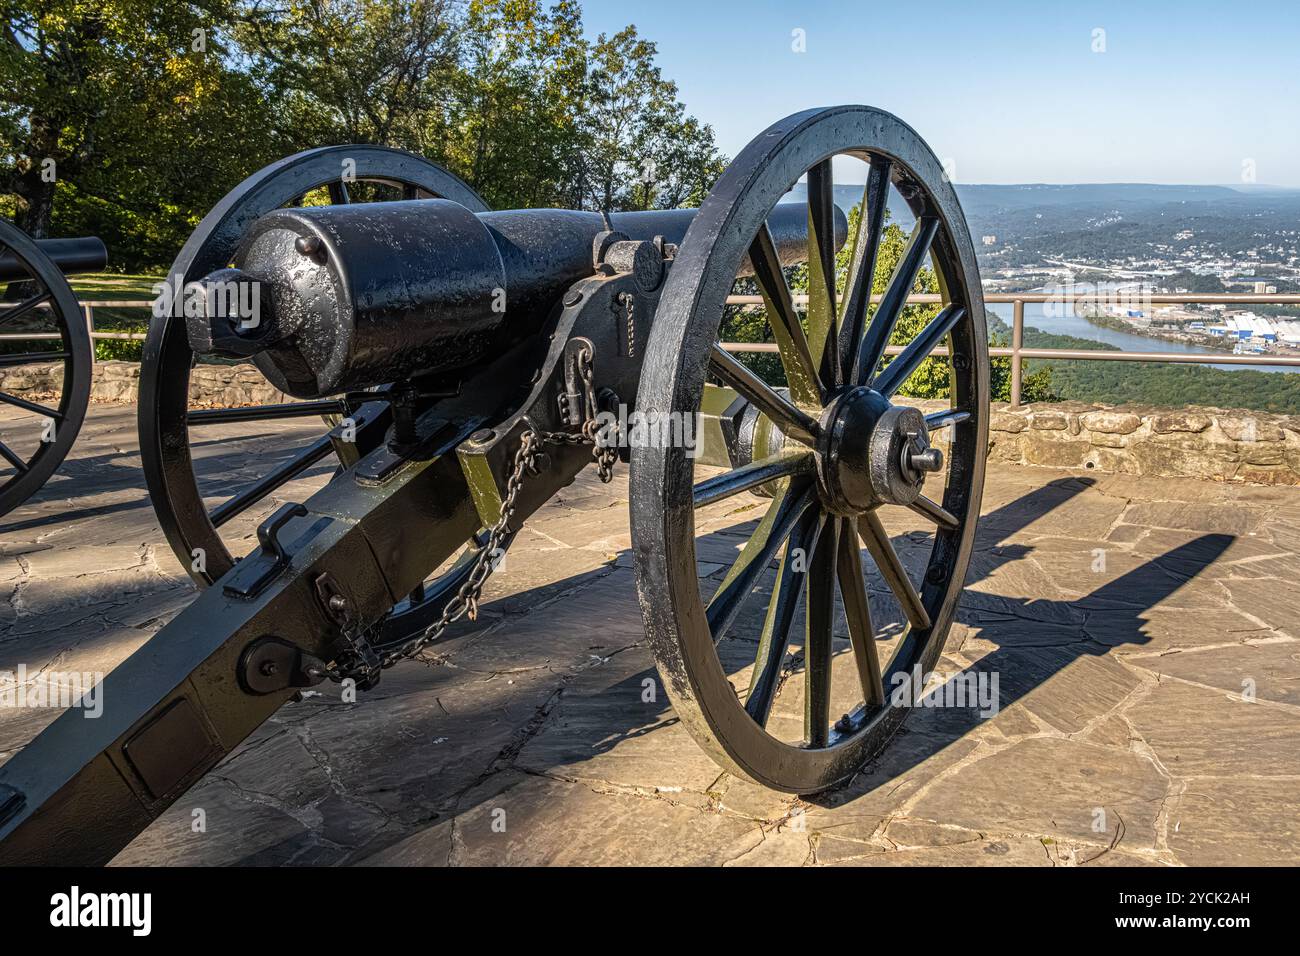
{"x":1144,"y":635}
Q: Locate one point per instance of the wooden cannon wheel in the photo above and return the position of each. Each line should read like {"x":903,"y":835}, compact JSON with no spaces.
{"x":844,"y":451}
{"x":168,"y":424}
{"x":29,"y":461}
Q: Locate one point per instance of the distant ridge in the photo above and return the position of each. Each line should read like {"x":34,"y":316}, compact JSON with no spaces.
{"x":1004,"y":197}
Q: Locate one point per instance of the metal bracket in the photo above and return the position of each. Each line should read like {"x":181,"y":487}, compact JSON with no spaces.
{"x":558,"y":399}
{"x":334,"y":602}
{"x":259,"y":570}
{"x":270,"y":664}
{"x":577,"y":402}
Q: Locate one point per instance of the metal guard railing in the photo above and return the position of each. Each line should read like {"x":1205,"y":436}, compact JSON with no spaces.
{"x":1017,"y":352}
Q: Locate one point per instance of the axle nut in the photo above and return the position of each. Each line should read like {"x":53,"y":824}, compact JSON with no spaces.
{"x":929,"y":460}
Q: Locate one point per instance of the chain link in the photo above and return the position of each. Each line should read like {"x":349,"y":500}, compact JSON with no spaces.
{"x":364,"y":662}
{"x":629,"y":304}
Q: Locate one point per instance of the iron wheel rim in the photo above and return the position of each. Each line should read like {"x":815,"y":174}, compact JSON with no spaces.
{"x":74,"y":396}
{"x":663,"y":484}
{"x":167,"y":361}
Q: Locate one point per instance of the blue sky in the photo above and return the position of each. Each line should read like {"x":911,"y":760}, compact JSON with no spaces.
{"x":1010,"y":91}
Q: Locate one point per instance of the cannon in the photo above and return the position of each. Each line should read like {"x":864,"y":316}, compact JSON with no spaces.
{"x":469,"y":364}
{"x":43,"y":311}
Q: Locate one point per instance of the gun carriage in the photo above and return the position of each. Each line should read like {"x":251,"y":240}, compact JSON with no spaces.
{"x":469,"y":363}
{"x":41,"y":324}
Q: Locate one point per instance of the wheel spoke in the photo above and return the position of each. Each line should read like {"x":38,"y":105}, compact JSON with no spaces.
{"x":256,"y":413}
{"x":8,"y":454}
{"x":22,"y":308}
{"x":818,"y":649}
{"x":953,"y":416}
{"x":823,"y":334}
{"x":909,"y":360}
{"x":339,"y":195}
{"x":857,"y":611}
{"x":33,"y":407}
{"x":264,"y":486}
{"x":793,"y":421}
{"x":775,"y":639}
{"x":862,"y":270}
{"x":891,"y":304}
{"x":32,"y":358}
{"x":935,"y":512}
{"x":752,"y":475}
{"x":754,"y":559}
{"x":791,"y":343}
{"x":891,"y":569}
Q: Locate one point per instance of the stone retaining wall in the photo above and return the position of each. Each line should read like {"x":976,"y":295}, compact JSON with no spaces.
{"x":211,"y":386}
{"x":1224,"y":445}
{"x":1211,"y":443}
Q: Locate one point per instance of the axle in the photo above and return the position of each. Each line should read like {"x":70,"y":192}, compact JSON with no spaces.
{"x":335,"y":298}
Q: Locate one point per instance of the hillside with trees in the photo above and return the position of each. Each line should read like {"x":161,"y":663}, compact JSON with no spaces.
{"x":129,"y":119}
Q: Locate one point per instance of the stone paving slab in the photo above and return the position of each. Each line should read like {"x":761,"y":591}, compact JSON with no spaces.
{"x":1144,"y":634}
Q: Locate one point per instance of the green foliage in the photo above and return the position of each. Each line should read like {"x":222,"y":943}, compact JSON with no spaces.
{"x":1193,"y":282}
{"x":109,"y":108}
{"x":932,"y":377}
{"x":1035,"y":383}
{"x":1174,"y":386}
{"x":1164,"y":384}
{"x":641,"y":149}
{"x":151,"y":111}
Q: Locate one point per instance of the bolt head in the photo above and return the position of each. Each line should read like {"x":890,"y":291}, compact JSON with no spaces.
{"x":309,"y":246}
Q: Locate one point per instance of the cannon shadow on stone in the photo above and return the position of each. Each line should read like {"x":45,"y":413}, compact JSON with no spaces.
{"x":106,"y":472}
{"x":580,"y":719}
{"x":1028,"y":651}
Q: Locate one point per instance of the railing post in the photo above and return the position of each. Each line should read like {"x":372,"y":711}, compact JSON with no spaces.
{"x":90,"y":328}
{"x":1017,"y":340}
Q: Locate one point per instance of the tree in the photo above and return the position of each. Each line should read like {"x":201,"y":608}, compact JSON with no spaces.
{"x":79,"y":78}
{"x":932,"y":377}
{"x":131,"y":118}
{"x":351,"y":71}
{"x":642,"y":150}
{"x":512,"y":127}
{"x":686,"y":164}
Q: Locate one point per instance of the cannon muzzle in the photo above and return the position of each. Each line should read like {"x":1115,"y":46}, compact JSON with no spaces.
{"x":72,"y":256}
{"x":337,"y":298}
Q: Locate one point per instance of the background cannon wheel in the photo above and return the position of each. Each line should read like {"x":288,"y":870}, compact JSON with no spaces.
{"x":43,"y":325}
{"x":847,"y":455}
{"x":342,"y":174}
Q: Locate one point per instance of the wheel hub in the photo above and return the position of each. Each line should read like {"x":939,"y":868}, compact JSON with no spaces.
{"x":872,"y":452}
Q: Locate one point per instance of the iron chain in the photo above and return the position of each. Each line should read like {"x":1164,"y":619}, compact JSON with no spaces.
{"x":363,"y":662}
{"x":629,"y":305}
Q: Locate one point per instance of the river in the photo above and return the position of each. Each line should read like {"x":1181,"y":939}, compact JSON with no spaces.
{"x":1064,"y":321}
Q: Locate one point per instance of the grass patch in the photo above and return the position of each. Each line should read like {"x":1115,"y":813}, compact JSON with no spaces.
{"x":117,"y":287}
{"x":114,"y":286}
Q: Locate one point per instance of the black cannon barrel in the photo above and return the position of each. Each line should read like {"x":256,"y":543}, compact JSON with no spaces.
{"x":71,"y":256}
{"x":335,"y":298}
